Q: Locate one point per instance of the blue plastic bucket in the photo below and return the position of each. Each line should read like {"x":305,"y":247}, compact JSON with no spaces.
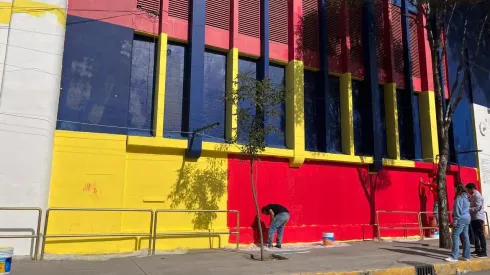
{"x":6,"y":254}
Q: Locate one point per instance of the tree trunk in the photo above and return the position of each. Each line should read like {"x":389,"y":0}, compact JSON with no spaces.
{"x":445,"y":240}
{"x":257,"y":211}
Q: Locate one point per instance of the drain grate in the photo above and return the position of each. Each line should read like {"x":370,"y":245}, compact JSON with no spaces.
{"x":425,"y":270}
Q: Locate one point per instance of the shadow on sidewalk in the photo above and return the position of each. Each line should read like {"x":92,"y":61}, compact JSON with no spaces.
{"x":429,"y":250}
{"x":414,"y":253}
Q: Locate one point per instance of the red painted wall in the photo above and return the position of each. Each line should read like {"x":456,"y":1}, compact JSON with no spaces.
{"x":329,"y":197}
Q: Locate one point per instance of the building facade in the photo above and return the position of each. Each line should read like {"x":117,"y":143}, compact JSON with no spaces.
{"x":140,"y":77}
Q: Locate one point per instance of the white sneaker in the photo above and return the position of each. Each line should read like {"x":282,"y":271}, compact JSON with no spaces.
{"x":450,"y":259}
{"x":466,"y":260}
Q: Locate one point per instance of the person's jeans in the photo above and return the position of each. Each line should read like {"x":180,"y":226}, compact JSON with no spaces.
{"x":278,"y":224}
{"x":461,"y":228}
{"x":480,"y":241}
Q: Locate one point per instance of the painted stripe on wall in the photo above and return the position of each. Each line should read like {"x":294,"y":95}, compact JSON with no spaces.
{"x":263,"y":67}
{"x":347,"y":114}
{"x":371,"y":79}
{"x":159,"y":110}
{"x":428,"y":125}
{"x":295,"y":124}
{"x":391,"y":109}
{"x":195,"y":92}
{"x":231,"y":87}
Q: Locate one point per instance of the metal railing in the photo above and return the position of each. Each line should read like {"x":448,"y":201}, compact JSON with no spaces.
{"x":149,"y":235}
{"x":422,"y":227}
{"x":210,"y":234}
{"x":397,"y":227}
{"x":37,"y":234}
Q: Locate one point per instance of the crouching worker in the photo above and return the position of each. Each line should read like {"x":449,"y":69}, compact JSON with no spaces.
{"x":279,"y":217}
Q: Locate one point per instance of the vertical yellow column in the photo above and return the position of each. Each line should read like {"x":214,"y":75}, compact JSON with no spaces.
{"x":347,"y":114}
{"x":428,"y":125}
{"x":159,"y":107}
{"x":231,"y":87}
{"x":392,"y":132}
{"x":295,"y":119}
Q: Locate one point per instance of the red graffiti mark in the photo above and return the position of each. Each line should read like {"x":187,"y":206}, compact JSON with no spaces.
{"x":91,"y":188}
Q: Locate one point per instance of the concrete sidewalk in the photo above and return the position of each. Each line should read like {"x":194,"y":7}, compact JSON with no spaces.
{"x":391,"y":257}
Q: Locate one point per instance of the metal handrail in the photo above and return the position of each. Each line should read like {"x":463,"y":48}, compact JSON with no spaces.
{"x":36,"y":236}
{"x":149,"y":235}
{"x":396,"y":227}
{"x":155,"y":234}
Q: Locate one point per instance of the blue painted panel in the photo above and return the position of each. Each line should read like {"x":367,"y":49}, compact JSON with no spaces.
{"x":140,"y":121}
{"x":405,"y":124}
{"x":382,"y":134}
{"x":334,"y":138}
{"x":417,"y":136}
{"x":214,"y":94}
{"x":96,"y":77}
{"x":246,"y":66}
{"x":411,"y":5}
{"x":363,"y":129}
{"x":277,"y":75}
{"x":314,"y":102}
{"x":263,"y":65}
{"x":193,"y":99}
{"x":314,"y":110}
{"x":174,"y":91}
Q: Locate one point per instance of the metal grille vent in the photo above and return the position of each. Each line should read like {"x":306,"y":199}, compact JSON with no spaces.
{"x":396,"y":25}
{"x":149,"y":5}
{"x":178,"y":9}
{"x":218,"y":14}
{"x":425,"y":270}
{"x":310,"y":25}
{"x":249,"y":17}
{"x":381,"y":56}
{"x":414,"y":46}
{"x":333,"y":19}
{"x":278,"y":21}
{"x":355,"y":32}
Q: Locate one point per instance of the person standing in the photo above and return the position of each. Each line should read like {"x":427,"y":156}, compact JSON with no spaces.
{"x":279,"y":217}
{"x":461,"y":223}
{"x":477,"y":220}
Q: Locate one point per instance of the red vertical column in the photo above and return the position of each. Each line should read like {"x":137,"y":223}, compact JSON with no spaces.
{"x":164,"y":16}
{"x":295,"y":29}
{"x":233,"y":24}
{"x":387,"y":19}
{"x":426,"y":72}
{"x":345,"y":42}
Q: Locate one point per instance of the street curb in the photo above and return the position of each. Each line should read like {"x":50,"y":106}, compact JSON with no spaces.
{"x":440,"y":269}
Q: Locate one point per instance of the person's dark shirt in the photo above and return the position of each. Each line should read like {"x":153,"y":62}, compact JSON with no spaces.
{"x":276,"y":208}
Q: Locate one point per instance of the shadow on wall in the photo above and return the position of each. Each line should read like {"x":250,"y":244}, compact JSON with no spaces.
{"x":200,"y":188}
{"x":371,"y":183}
{"x":256,"y":232}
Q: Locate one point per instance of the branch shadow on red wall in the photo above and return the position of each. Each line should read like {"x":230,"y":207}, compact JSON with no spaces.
{"x":371,"y":183}
{"x":255,"y":230}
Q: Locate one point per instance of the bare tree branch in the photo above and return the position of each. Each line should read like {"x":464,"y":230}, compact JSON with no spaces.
{"x":468,"y":70}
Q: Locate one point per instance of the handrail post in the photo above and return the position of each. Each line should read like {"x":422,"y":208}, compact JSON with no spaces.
{"x":45,"y":232}
{"x":155,"y":233}
{"x":150,"y":239}
{"x":377,"y":226}
{"x":238,"y":230}
{"x":39,"y":219}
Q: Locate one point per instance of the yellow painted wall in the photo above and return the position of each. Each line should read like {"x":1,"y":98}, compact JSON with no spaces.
{"x":100,"y":170}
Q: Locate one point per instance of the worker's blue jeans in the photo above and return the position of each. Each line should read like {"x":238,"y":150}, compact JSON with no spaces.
{"x":278,"y":224}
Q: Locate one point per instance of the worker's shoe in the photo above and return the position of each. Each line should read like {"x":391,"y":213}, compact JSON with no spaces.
{"x":278,"y":246}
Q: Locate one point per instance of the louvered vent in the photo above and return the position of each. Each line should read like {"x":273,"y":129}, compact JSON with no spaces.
{"x":310,"y":25}
{"x":278,"y":21}
{"x":149,"y":5}
{"x":333,"y":22}
{"x":381,"y":56}
{"x":396,"y":25}
{"x":178,"y":9}
{"x":355,"y":33}
{"x":414,"y":46}
{"x":218,"y":14}
{"x":249,"y":17}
